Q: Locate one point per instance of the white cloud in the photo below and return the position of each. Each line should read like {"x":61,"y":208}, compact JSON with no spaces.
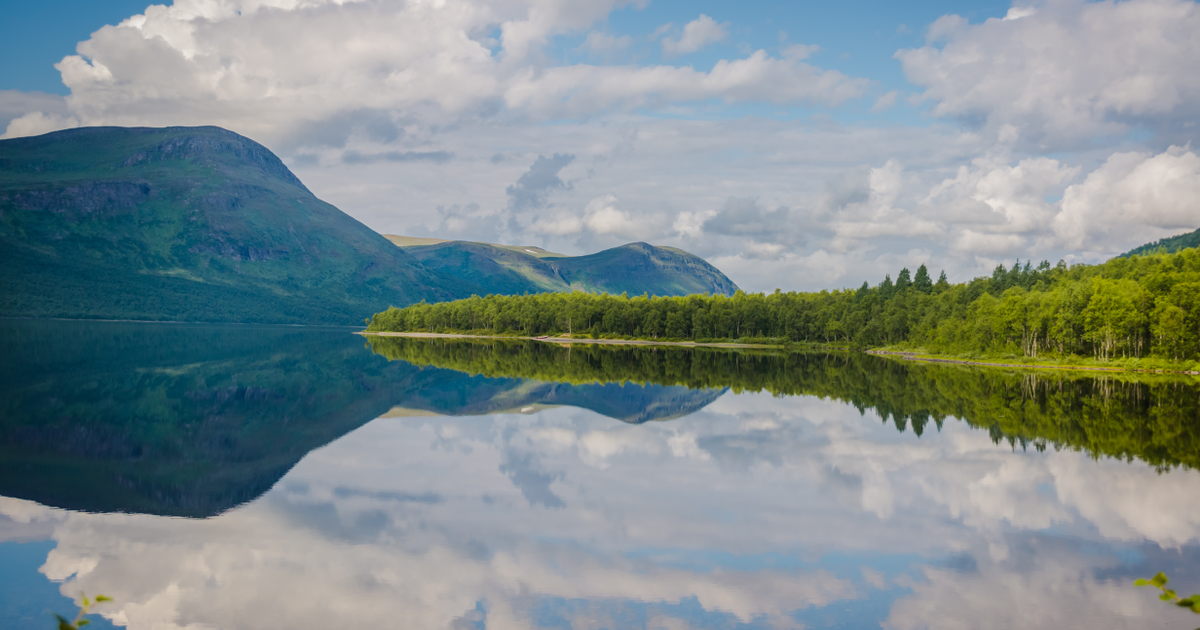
{"x":697,"y":34}
{"x":885,"y":102}
{"x":602,"y":216}
{"x":1067,"y":71}
{"x":16,"y":104}
{"x":37,"y":123}
{"x":1133,"y":197}
{"x":295,"y":73}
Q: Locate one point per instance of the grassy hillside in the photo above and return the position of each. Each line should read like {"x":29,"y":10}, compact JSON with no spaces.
{"x":195,"y":224}
{"x":635,"y":268}
{"x":1166,"y":245}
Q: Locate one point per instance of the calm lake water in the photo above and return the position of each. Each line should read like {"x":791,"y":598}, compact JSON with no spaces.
{"x":271,"y":477}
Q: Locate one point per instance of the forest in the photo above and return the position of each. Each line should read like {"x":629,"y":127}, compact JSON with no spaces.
{"x":1126,"y":308}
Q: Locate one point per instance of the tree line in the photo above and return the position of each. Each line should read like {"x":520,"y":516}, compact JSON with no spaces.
{"x":1135,"y":307}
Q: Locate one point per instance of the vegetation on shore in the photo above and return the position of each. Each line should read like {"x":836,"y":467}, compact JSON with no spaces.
{"x":1141,"y":311}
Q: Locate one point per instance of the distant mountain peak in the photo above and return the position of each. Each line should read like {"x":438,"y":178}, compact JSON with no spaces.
{"x":633,"y":268}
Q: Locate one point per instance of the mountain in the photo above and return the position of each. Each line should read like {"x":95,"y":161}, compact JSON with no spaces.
{"x":635,"y":268}
{"x":186,"y":223}
{"x":1168,"y":245}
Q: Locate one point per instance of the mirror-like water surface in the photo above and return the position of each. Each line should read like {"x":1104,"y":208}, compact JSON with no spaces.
{"x":263,"y":477}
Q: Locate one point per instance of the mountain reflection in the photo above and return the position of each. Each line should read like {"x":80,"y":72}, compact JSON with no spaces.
{"x":191,"y":420}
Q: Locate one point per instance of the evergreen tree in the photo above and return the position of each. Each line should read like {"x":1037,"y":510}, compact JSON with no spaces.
{"x":886,"y":288}
{"x":922,"y":282}
{"x":903,"y":280}
{"x":942,"y":283}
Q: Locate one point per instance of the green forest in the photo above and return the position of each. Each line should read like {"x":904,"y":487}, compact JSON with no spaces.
{"x":1147,"y":417}
{"x":1124,"y":310}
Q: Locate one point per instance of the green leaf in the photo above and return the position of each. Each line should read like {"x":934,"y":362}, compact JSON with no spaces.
{"x":82,"y":623}
{"x":63,"y":624}
{"x":1165,"y":597}
{"x":1141,"y":582}
{"x":1159,"y":580}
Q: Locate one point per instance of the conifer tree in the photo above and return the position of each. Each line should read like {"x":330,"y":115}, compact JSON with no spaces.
{"x":922,"y":282}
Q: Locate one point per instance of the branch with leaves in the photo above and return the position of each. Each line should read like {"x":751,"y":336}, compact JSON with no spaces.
{"x":84,"y":609}
{"x":1159,"y":581}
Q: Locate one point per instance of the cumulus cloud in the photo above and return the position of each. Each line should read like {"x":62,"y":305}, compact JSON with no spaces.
{"x":697,"y":34}
{"x":604,"y":216}
{"x":1133,"y":197}
{"x":42,"y":113}
{"x":1068,"y":70}
{"x":277,"y":70}
{"x":37,"y":123}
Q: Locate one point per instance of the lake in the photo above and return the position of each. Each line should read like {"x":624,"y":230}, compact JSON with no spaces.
{"x":283,"y":477}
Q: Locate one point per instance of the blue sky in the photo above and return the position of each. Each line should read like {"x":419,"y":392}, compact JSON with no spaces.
{"x":36,"y":35}
{"x":796,"y":145}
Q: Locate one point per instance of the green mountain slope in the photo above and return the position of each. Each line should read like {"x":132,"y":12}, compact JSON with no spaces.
{"x":639,"y":268}
{"x":194,"y":224}
{"x":1168,"y":245}
{"x":635,"y":268}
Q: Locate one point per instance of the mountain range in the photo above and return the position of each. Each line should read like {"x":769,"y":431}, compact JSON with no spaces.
{"x":635,"y":268}
{"x":202,"y":224}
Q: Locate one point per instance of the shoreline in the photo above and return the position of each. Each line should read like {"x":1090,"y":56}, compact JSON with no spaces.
{"x":566,"y":341}
{"x":907,"y":356}
{"x":912,"y":356}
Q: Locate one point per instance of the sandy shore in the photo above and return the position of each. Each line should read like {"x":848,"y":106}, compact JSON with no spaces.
{"x":566,"y":341}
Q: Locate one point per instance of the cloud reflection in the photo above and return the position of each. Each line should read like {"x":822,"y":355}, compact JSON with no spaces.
{"x":751,"y":511}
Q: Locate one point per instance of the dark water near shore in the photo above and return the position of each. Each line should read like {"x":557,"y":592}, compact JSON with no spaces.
{"x":273,"y":477}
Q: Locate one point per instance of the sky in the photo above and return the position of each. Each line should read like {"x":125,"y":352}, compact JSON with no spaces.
{"x":795,"y":145}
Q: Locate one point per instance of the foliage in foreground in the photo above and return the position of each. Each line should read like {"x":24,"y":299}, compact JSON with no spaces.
{"x":1159,"y":581}
{"x":1142,"y":306}
{"x":85,"y":608}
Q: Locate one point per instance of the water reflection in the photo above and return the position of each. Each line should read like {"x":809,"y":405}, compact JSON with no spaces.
{"x":193,"y":420}
{"x":1130,"y":416}
{"x":753,"y":510}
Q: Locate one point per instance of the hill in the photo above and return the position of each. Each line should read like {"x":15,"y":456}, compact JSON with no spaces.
{"x":635,"y":268}
{"x":413,"y":241}
{"x":1168,"y":245}
{"x":186,"y":223}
